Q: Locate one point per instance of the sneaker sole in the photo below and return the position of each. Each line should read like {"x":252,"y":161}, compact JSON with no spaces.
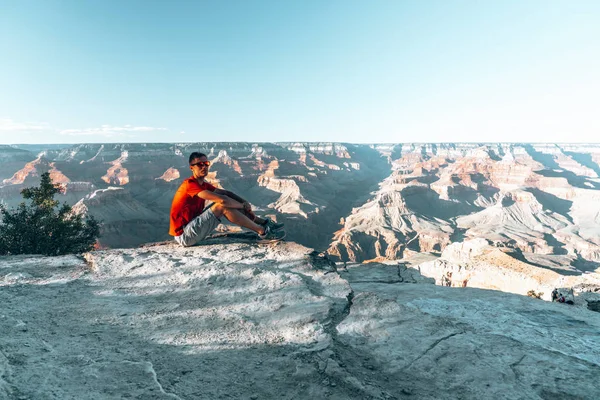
{"x":263,"y":241}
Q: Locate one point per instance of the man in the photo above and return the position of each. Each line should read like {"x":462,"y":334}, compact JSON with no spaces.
{"x":191,"y":222}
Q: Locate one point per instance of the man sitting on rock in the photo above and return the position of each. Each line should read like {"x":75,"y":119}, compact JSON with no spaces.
{"x":191,"y":222}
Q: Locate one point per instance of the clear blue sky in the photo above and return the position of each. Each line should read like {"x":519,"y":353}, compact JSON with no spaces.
{"x":76,"y":71}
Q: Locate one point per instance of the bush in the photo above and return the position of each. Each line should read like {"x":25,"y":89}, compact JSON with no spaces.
{"x":42,"y":227}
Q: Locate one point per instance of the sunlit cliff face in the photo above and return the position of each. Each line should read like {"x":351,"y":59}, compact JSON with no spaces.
{"x":394,"y":200}
{"x":170,"y":175}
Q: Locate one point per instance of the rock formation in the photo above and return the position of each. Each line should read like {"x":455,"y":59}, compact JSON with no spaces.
{"x":34,"y":169}
{"x":230,"y":319}
{"x":170,"y":175}
{"x":538,"y":199}
{"x":396,"y":200}
{"x":117,"y":174}
{"x":125,"y":221}
{"x":475,"y":263}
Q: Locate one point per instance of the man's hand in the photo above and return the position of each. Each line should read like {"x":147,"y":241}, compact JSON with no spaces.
{"x":248,"y":210}
{"x":250,"y":215}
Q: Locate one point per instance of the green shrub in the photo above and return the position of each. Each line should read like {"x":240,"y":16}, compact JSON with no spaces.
{"x":42,"y":227}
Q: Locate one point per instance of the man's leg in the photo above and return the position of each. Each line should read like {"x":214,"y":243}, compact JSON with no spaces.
{"x":260,"y":221}
{"x":198,"y":228}
{"x":264,"y":222}
{"x":237,"y":217}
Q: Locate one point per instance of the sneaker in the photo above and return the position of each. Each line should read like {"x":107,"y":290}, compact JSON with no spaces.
{"x":275,"y":226}
{"x":271,"y":235}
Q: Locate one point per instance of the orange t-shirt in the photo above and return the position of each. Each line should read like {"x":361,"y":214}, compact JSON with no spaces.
{"x":186,"y":204}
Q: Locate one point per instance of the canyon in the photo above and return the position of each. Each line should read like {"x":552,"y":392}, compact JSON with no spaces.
{"x":408,"y":271}
{"x":357,"y":202}
{"x":532,"y":205}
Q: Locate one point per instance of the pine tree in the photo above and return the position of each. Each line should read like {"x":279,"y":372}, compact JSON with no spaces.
{"x":42,"y":227}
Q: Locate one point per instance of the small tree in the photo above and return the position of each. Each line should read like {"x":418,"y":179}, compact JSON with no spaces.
{"x":42,"y":227}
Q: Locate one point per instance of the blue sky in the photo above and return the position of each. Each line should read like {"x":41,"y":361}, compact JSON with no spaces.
{"x":76,"y":71}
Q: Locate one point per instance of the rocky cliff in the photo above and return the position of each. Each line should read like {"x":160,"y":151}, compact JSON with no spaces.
{"x":361,"y":202}
{"x":534,"y":198}
{"x":231,"y":319}
{"x":308,"y":186}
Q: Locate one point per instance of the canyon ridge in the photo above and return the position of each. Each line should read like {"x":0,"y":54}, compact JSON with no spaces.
{"x":357,"y":202}
{"x":457,"y":208}
{"x":354,"y":304}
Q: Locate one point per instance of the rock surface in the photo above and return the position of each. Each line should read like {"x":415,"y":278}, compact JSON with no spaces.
{"x":475,"y":263}
{"x":230,"y":319}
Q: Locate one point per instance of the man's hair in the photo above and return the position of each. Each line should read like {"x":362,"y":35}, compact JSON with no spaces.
{"x":195,"y":155}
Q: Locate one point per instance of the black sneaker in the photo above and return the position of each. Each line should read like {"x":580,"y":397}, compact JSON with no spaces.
{"x":270,"y":236}
{"x":275,"y":226}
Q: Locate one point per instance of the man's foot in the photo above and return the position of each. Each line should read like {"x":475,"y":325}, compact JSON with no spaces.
{"x":274,"y":226}
{"x":271,"y":235}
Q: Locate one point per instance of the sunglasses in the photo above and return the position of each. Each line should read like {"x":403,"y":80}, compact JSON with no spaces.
{"x":205,"y":163}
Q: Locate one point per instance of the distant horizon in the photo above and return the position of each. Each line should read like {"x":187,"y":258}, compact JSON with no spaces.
{"x":291,"y":142}
{"x":343,"y":71}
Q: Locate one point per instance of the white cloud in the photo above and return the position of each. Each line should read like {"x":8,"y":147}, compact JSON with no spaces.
{"x":110,"y":131}
{"x":9,"y":125}
{"x":12,"y":131}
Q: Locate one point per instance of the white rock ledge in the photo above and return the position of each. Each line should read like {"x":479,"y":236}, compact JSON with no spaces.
{"x":236,"y":320}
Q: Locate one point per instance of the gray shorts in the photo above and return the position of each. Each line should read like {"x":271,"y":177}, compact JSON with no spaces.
{"x":198,"y":228}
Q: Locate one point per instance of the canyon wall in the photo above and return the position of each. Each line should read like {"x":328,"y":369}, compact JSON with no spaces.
{"x":359,"y":202}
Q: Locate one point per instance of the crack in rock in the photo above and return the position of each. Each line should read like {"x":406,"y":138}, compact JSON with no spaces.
{"x":400,"y":273}
{"x":313,"y":286}
{"x":160,"y":387}
{"x":330,"y":361}
{"x":433,"y":345}
{"x":514,"y":365}
{"x":150,"y":368}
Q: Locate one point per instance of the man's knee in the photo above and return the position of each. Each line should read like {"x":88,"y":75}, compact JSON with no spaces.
{"x":218,"y":210}
{"x":181,"y":240}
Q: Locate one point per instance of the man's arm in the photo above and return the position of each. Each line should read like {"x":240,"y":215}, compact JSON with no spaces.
{"x":220,"y":199}
{"x":245,"y":205}
{"x":230,"y":195}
